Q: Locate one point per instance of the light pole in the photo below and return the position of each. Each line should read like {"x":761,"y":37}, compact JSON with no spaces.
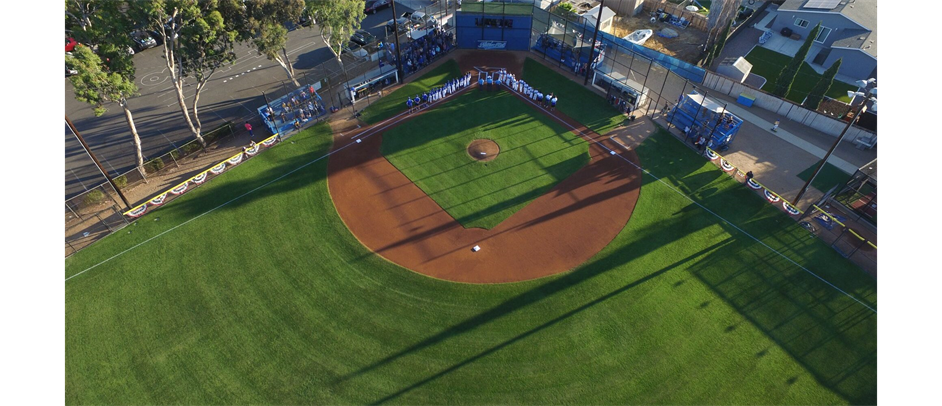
{"x":863,"y":84}
{"x":98,"y":164}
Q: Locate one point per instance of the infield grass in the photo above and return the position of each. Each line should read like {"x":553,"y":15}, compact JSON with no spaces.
{"x":536,"y":153}
{"x":395,"y":102}
{"x":258,"y":294}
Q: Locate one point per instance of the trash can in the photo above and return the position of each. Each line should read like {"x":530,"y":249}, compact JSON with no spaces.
{"x":745,"y":100}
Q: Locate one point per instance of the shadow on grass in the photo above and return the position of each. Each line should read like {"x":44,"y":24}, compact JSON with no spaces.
{"x":652,"y":238}
{"x":589,"y":271}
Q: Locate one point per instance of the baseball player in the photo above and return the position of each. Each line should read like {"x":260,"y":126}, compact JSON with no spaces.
{"x":553,"y":103}
{"x":409,"y":104}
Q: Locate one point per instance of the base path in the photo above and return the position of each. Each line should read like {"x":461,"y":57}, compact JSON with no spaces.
{"x":555,"y":233}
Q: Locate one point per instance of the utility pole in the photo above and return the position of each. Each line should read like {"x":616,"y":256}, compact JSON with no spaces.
{"x":598,"y":21}
{"x":396,"y":40}
{"x":98,"y":164}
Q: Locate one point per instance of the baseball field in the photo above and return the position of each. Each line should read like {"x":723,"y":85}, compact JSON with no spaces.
{"x":263,"y":286}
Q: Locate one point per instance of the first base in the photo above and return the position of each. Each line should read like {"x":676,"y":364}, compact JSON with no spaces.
{"x":476,"y":248}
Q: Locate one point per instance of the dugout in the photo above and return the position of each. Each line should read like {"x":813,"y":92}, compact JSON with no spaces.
{"x":707,"y":118}
{"x":616,"y":84}
{"x":574,"y":58}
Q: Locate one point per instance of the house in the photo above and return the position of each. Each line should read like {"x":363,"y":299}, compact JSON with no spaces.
{"x":592,"y":16}
{"x":848,"y":31}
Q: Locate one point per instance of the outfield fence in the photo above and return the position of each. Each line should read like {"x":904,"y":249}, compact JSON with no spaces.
{"x":98,"y":210}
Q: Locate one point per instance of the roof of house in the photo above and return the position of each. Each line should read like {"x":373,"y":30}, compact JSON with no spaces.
{"x":593,"y":14}
{"x":862,"y":12}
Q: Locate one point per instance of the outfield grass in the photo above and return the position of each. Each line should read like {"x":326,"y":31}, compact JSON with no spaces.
{"x":769,"y":64}
{"x":268,"y":299}
{"x":574,"y":99}
{"x":395,"y":102}
{"x":536,"y":153}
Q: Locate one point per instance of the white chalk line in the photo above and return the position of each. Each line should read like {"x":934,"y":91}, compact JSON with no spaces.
{"x":370,"y":131}
{"x":386,"y":123}
{"x":707,"y":210}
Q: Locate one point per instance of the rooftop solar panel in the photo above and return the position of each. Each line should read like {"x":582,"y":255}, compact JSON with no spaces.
{"x":824,"y":4}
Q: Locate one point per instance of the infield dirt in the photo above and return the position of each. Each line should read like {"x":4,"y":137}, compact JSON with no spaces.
{"x":555,"y":233}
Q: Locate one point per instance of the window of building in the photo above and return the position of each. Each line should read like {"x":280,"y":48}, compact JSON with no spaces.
{"x":823,"y":34}
{"x":801,"y":23}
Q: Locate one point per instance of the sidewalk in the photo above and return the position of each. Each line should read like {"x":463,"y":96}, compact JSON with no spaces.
{"x":776,"y":158}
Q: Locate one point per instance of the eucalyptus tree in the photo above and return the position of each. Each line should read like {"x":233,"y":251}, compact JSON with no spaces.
{"x":337,"y":20}
{"x":265,"y":26}
{"x":198,"y":39}
{"x":96,"y":85}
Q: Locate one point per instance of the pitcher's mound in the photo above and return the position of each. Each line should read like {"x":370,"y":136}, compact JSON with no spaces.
{"x":483,"y":149}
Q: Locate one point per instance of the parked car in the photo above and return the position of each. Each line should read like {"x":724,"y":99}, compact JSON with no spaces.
{"x":375,"y":5}
{"x":70,"y":44}
{"x":142,"y":40}
{"x":363,"y":38}
{"x":405,"y":24}
{"x":354,"y":49}
{"x":69,"y":71}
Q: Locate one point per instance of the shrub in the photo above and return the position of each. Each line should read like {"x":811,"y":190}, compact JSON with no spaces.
{"x":175,"y":154}
{"x":155,"y":165}
{"x":121,"y":181}
{"x":93,"y":197}
{"x":191,"y":147}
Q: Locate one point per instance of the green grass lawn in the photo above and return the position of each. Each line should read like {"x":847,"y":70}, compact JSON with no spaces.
{"x":395,"y":102}
{"x":829,"y":177}
{"x":250,"y":290}
{"x":574,"y":99}
{"x":769,"y":64}
{"x":536,"y":153}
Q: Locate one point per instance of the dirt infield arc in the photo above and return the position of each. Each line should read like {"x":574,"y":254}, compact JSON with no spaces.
{"x":556,"y":232}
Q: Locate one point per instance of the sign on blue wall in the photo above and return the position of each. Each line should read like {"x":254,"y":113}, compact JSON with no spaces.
{"x":493,"y":31}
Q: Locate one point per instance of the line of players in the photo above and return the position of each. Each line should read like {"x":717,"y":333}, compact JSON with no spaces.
{"x":488,"y":82}
{"x":491,"y":80}
{"x":438,"y":93}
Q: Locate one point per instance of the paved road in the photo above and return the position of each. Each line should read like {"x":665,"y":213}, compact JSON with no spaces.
{"x":232,"y":94}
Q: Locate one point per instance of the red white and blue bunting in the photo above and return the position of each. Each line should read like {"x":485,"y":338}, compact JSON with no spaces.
{"x":199,"y":179}
{"x":769,"y":195}
{"x":159,"y":200}
{"x":790,"y":209}
{"x":180,"y":189}
{"x":218,"y":169}
{"x":137,"y":211}
{"x":753,"y":184}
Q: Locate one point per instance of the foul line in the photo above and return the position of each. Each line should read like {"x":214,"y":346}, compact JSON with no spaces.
{"x":211,"y":210}
{"x":393,"y":120}
{"x":612,"y":152}
{"x":372,"y":130}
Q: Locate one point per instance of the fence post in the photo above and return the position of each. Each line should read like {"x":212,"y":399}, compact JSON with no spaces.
{"x":73,"y":211}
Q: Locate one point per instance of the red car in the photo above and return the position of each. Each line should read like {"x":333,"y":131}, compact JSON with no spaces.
{"x":70,"y":44}
{"x":373,"y":6}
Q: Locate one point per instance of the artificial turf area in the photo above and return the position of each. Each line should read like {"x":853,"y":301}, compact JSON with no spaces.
{"x":536,"y":153}
{"x":250,"y":290}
